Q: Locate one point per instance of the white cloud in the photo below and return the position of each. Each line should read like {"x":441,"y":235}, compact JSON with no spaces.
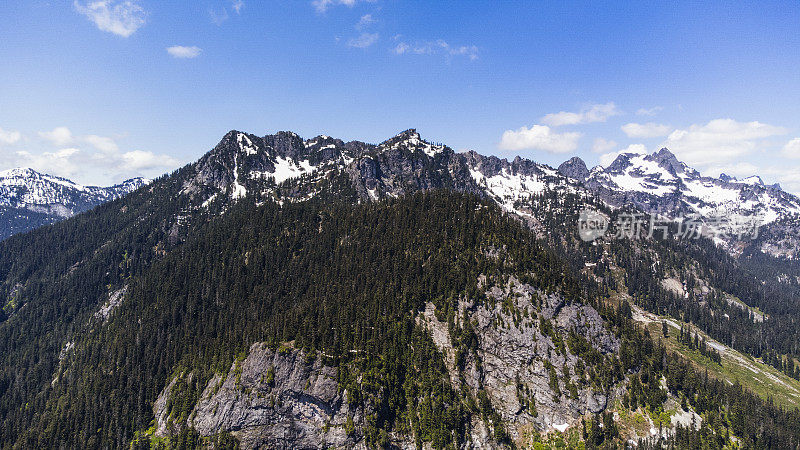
{"x":436,"y":47}
{"x":738,"y":170}
{"x":121,"y":18}
{"x":63,"y":162}
{"x":9,"y":137}
{"x":180,"y":51}
{"x":59,"y":136}
{"x":589,"y":114}
{"x":142,"y":160}
{"x":539,"y":137}
{"x":363,"y":41}
{"x":102,"y":143}
{"x":470,"y":51}
{"x":89,"y":159}
{"x":601,"y":145}
{"x":645,"y":130}
{"x":365,"y":21}
{"x":649,"y":112}
{"x":719,"y":141}
{"x":607,"y":158}
{"x":792,"y":149}
{"x":218,"y":16}
{"x":401,"y":48}
{"x":323,"y":5}
{"x":62,"y":136}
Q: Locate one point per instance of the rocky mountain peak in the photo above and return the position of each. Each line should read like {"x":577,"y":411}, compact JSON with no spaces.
{"x":574,"y":168}
{"x":407,"y":138}
{"x":667,"y":160}
{"x":620,"y":163}
{"x":754,"y":179}
{"x":18,"y":172}
{"x":407,"y":135}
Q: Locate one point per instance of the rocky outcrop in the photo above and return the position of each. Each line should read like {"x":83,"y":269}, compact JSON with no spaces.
{"x":518,"y":364}
{"x":574,"y":168}
{"x":281,"y":398}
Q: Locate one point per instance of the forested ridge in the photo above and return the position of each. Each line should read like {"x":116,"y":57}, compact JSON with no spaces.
{"x":342,"y":280}
{"x":330,"y":280}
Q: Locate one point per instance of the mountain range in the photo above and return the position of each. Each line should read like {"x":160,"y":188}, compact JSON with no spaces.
{"x":660,"y":184}
{"x":29,"y":199}
{"x":283,"y":292}
{"x":657,"y":183}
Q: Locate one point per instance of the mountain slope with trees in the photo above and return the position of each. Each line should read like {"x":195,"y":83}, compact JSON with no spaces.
{"x":420,"y":290}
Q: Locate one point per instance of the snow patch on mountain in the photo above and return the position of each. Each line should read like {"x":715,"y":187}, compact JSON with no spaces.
{"x":508,"y":188}
{"x":246,"y":144}
{"x":286,"y":169}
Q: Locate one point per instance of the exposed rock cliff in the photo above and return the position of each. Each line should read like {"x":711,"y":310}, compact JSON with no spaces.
{"x":275,"y":399}
{"x":531,"y":377}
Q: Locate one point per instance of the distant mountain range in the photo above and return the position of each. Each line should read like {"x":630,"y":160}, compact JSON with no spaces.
{"x":29,"y":199}
{"x":659,"y":183}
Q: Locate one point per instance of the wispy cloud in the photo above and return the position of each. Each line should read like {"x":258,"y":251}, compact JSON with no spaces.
{"x":218,"y":16}
{"x":539,"y":137}
{"x":645,"y":130}
{"x":322,"y":5}
{"x":363,"y":41}
{"x":180,"y":51}
{"x":649,"y":111}
{"x":438,"y":47}
{"x":120,"y":18}
{"x":365,"y":21}
{"x":588,"y":114}
{"x":401,"y":48}
{"x":9,"y":137}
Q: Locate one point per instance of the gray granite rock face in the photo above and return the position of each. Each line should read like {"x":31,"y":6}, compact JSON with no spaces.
{"x":514,"y":354}
{"x":574,"y":168}
{"x":275,"y":399}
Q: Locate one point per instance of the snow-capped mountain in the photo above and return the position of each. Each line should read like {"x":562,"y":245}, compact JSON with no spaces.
{"x":660,"y":183}
{"x":286,"y":167}
{"x":29,"y":199}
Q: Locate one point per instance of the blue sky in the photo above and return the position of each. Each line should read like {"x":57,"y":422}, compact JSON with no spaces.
{"x":103,"y":90}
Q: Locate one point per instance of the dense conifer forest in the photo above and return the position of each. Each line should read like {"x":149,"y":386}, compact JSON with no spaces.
{"x":334,"y":279}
